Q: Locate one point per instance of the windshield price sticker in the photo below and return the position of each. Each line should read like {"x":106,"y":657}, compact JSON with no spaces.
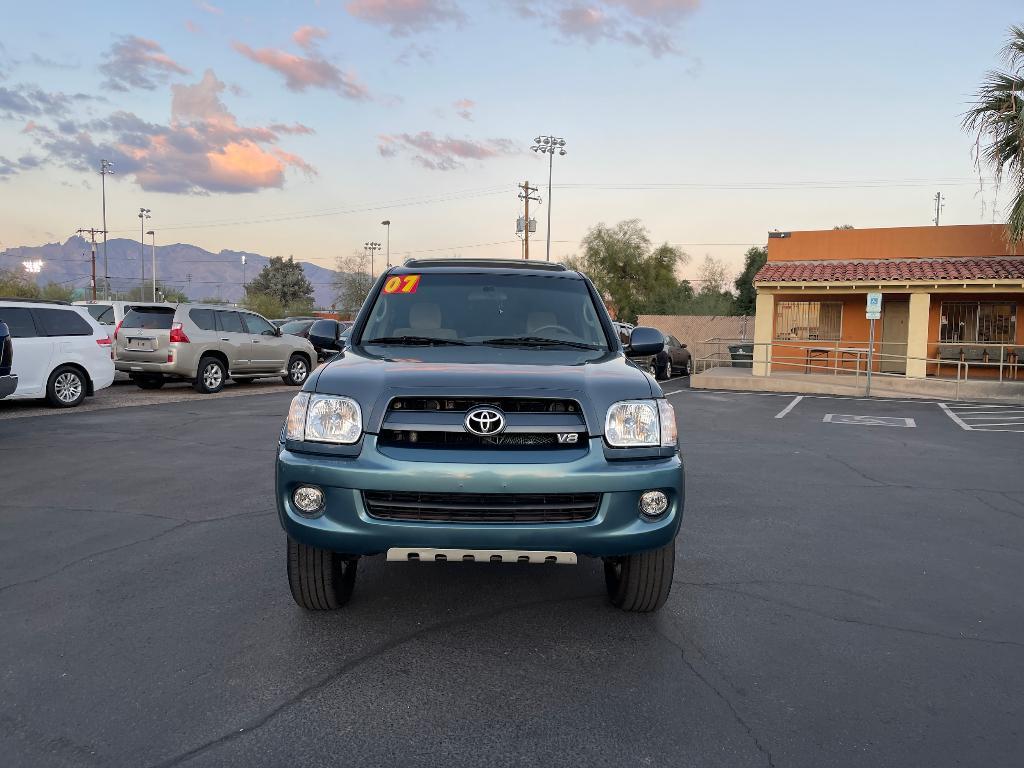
{"x":402,"y":284}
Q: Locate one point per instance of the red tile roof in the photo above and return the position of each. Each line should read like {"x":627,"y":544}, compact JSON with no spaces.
{"x":893,"y":270}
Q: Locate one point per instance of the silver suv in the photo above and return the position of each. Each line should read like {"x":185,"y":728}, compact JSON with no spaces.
{"x":206,"y":344}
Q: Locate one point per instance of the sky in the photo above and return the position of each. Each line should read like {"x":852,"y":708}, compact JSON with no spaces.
{"x":296,"y":128}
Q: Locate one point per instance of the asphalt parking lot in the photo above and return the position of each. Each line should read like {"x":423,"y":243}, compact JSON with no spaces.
{"x":848,"y":593}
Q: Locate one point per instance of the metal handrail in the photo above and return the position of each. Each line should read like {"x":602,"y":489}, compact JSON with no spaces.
{"x":859,"y":350}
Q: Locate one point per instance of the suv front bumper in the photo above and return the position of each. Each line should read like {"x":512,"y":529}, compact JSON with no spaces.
{"x":346,"y":526}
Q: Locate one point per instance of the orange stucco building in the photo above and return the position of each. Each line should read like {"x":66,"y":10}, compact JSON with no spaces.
{"x":953,"y":302}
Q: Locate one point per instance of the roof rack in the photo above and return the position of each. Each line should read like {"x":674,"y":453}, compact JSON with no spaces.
{"x":23,"y":300}
{"x":548,"y":266}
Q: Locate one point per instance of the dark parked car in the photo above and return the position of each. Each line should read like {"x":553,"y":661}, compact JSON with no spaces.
{"x":648,"y":363}
{"x":8,"y":381}
{"x":674,"y":359}
{"x":481,"y":411}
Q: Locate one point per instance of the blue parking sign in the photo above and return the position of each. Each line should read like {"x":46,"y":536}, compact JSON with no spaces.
{"x":874,"y":308}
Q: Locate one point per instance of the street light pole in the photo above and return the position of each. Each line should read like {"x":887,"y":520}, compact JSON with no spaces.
{"x":106,"y":168}
{"x":143,"y":215}
{"x":387,"y":223}
{"x":153,"y":235}
{"x":549,"y":145}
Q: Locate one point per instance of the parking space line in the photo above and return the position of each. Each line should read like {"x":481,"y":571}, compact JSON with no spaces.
{"x":956,"y":419}
{"x":782,"y":414}
{"x":869,"y":421}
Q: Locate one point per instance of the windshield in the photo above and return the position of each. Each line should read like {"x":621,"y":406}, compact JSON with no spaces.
{"x":480,"y":308}
{"x":296,"y":326}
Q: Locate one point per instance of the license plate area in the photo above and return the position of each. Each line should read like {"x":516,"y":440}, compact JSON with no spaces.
{"x":142,"y":343}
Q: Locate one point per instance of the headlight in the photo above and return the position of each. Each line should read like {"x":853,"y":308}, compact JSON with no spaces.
{"x":332,"y":419}
{"x":324,"y":419}
{"x":640,"y":424}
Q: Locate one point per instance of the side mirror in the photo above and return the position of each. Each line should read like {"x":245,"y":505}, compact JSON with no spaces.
{"x":644,"y":341}
{"x":323,"y":334}
{"x":278,"y":331}
{"x":682,"y":346}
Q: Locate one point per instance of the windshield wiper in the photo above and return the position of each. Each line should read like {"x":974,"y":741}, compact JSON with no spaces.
{"x":416,"y":340}
{"x":538,"y":341}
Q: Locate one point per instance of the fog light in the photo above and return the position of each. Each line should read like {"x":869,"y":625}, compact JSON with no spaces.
{"x":309,"y":500}
{"x":653,"y":503}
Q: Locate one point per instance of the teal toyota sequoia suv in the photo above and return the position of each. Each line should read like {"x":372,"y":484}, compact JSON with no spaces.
{"x":482,"y":411}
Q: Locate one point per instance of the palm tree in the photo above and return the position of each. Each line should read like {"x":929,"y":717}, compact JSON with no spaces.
{"x":997,"y":120}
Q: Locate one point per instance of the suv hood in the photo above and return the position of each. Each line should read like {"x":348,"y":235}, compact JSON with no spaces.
{"x":593,"y":379}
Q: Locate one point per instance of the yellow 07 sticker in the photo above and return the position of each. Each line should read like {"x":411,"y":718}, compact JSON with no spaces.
{"x":402,"y":284}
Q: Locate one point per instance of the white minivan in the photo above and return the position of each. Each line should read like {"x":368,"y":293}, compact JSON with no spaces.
{"x":60,"y":352}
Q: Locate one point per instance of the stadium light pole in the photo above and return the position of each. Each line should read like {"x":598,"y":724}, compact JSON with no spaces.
{"x":549,"y":145}
{"x":372,"y":248}
{"x":143,"y":215}
{"x":106,"y":169}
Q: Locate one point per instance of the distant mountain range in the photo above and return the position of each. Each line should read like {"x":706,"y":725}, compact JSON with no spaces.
{"x":198,"y":272}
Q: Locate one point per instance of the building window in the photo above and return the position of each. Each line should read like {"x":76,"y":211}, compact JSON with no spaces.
{"x":808,"y":320}
{"x":978,"y":322}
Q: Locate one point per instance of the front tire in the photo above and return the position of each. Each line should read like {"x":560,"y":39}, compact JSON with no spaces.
{"x":66,"y":387}
{"x":320,"y":580}
{"x":298,"y":371}
{"x":210,"y":376}
{"x":641,"y":582}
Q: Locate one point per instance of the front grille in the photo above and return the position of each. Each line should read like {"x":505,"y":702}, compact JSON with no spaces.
{"x":482,"y":507}
{"x":463,"y":404}
{"x":398,"y":438}
{"x":438,"y":422}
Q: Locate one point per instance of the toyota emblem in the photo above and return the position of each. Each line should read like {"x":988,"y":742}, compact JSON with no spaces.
{"x":485,"y":422}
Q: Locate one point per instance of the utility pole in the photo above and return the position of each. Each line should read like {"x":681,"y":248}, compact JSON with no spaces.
{"x":940,"y":203}
{"x":526,"y":195}
{"x":549,"y":145}
{"x":372,"y":248}
{"x":92,"y":236}
{"x":143,"y":215}
{"x":243,"y":275}
{"x":106,"y":169}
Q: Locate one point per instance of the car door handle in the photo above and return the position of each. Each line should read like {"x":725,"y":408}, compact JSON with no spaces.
{"x":255,"y":341}
{"x":223,"y":339}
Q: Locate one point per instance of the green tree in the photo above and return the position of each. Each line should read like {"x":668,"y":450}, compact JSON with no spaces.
{"x":264,"y":304}
{"x":632,"y":275}
{"x":712,"y":297}
{"x":746,"y":297}
{"x":283,"y":280}
{"x":15,"y":285}
{"x":57,"y":292}
{"x":352,"y":282}
{"x":997,"y":122}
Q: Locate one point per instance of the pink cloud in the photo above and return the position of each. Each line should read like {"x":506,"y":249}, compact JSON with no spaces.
{"x":404,"y":17}
{"x":135,"y":62}
{"x":311,"y":71}
{"x":192,"y":27}
{"x":442,"y":153}
{"x":202,"y":150}
{"x":210,"y":8}
{"x":306,"y":37}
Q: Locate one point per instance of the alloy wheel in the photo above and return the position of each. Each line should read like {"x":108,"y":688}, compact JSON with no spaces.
{"x":212,"y":376}
{"x":67,"y":387}
{"x":298,"y":371}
